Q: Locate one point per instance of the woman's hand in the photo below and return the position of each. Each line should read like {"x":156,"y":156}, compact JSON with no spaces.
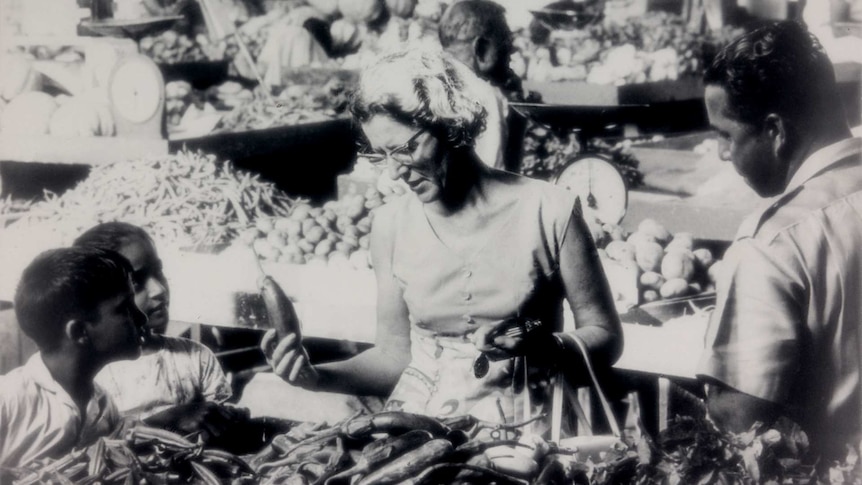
{"x":289,"y":360}
{"x":509,"y":338}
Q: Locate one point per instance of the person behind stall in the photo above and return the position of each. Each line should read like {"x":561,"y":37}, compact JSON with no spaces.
{"x":78,"y":306}
{"x":785,"y":337}
{"x":471,"y":251}
{"x":176,"y":383}
{"x":476,"y":33}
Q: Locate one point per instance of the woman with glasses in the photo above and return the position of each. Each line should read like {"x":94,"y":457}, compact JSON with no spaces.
{"x":471,"y":268}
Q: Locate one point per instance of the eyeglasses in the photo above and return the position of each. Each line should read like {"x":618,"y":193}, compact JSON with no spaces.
{"x":402,"y":154}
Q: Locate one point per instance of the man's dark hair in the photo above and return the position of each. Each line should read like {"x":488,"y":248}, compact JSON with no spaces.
{"x":64,"y":284}
{"x":777,"y":68}
{"x":466,"y":20}
{"x":112,"y":236}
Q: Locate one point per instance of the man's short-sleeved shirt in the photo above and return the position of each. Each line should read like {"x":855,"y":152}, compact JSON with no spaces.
{"x":174,"y":371}
{"x":38,"y":418}
{"x":786,"y":328}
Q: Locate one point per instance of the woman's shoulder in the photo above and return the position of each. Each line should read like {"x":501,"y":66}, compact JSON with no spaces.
{"x":544,"y":196}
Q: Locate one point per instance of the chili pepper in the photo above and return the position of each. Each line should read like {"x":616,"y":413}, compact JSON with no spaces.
{"x":391,"y":422}
{"x":297,"y":453}
{"x":205,"y":474}
{"x":472,"y":448}
{"x":409,"y":464}
{"x":381,"y":451}
{"x":477,"y":474}
{"x":226,"y":459}
{"x":164,"y":437}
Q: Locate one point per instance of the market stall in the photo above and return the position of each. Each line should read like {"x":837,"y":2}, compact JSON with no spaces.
{"x":229,"y":142}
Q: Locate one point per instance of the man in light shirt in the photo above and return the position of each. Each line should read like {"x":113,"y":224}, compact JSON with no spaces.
{"x":77,"y":305}
{"x":785,"y":337}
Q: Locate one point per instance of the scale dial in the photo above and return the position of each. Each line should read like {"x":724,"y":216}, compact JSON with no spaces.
{"x":136,"y":91}
{"x":599,"y":185}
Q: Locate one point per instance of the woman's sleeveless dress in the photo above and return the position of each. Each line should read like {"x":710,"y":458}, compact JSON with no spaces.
{"x":510,"y":272}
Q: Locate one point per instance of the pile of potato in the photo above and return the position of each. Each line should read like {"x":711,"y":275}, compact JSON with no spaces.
{"x":334,"y":235}
{"x":670,"y":265}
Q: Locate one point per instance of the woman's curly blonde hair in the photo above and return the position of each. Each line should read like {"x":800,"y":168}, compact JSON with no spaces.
{"x":423,"y":88}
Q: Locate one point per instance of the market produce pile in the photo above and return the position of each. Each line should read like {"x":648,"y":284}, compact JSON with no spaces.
{"x":185,"y":199}
{"x":396,"y":447}
{"x":657,"y":46}
{"x":171,"y":47}
{"x":293,"y":105}
{"x":334,"y":235}
{"x":669,"y":265}
{"x":25,"y":109}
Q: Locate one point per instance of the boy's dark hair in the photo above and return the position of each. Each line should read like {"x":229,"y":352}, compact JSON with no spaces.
{"x":112,"y":236}
{"x":64,"y":284}
{"x":466,"y":20}
{"x":777,"y":68}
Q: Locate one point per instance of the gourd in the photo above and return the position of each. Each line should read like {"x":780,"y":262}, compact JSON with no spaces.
{"x":360,"y":11}
{"x":28,"y":114}
{"x":401,"y":8}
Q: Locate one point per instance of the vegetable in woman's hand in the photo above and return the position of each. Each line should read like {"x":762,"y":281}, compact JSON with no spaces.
{"x":289,"y":359}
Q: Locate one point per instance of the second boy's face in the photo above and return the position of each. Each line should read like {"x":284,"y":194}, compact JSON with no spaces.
{"x":149,"y":283}
{"x":116,"y":331}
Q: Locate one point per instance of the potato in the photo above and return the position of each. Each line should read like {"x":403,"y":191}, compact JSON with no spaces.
{"x":681,"y":240}
{"x":315,"y":212}
{"x":620,"y":251}
{"x":703,"y":257}
{"x":300,"y":212}
{"x":291,"y":227}
{"x":264,"y":224}
{"x":355,"y":210}
{"x":277,"y":239}
{"x":649,"y":255}
{"x":323,"y":248}
{"x":306,"y":246}
{"x":651,"y":279}
{"x":307,"y":224}
{"x":314,"y":234}
{"x":351,"y":241}
{"x":652,"y":228}
{"x":343,"y":224}
{"x":364,"y":225}
{"x":292,"y":249}
{"x":714,"y":273}
{"x":248,"y":236}
{"x":650,"y":296}
{"x":265,"y":250}
{"x":674,"y":288}
{"x":637,"y":237}
{"x":678,"y":264}
{"x":372,"y":204}
{"x":364,"y":242}
{"x":323,"y":222}
{"x":352,"y":231}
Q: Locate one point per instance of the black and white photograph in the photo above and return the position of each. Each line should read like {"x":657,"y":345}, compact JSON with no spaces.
{"x":431,"y":242}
